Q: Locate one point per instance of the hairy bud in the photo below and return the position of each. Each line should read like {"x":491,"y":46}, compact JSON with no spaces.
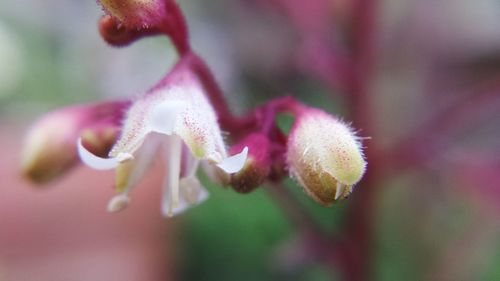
{"x":135,"y":13}
{"x":50,"y":149}
{"x":325,"y":157}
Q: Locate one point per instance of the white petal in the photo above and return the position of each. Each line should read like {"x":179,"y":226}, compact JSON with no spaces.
{"x":99,"y":163}
{"x":124,"y":157}
{"x":189,"y":163}
{"x":143,"y":160}
{"x":173,"y":154}
{"x":169,"y":212}
{"x":164,"y":116}
{"x":118,"y":203}
{"x":191,"y":194}
{"x":234,"y":163}
{"x":339,"y":191}
{"x":192,"y":191}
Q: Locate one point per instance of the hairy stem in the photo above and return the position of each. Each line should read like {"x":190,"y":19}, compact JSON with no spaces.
{"x":176,"y":28}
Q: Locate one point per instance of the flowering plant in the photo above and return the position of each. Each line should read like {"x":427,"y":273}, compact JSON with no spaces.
{"x":181,"y":115}
{"x":414,"y":88}
{"x":182,"y":118}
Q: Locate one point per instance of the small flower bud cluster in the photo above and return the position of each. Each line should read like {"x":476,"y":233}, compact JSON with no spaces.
{"x":321,"y":152}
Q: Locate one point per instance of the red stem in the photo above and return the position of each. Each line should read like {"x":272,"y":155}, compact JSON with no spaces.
{"x":227,"y":120}
{"x":359,"y":229}
{"x":175,"y":27}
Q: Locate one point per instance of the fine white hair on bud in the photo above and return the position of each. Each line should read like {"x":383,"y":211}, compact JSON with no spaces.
{"x":325,"y":156}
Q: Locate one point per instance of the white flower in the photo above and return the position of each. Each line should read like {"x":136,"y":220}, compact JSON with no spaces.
{"x":175,"y":120}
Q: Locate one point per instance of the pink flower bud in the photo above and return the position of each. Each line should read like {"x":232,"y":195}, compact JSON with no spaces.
{"x":50,"y":145}
{"x":49,"y":149}
{"x":135,"y":13}
{"x":325,"y":156}
{"x":258,"y":164}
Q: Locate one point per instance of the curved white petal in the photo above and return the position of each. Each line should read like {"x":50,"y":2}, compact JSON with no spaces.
{"x":99,"y":163}
{"x":234,"y":163}
{"x":164,"y":116}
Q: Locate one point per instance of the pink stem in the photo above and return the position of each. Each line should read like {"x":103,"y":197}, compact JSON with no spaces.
{"x":176,"y":28}
{"x":228,"y":121}
{"x":359,"y":228}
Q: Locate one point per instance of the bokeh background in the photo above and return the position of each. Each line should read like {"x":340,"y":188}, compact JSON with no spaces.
{"x":434,"y":100}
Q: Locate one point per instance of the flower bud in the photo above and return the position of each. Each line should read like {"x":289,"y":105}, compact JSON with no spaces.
{"x":325,"y":156}
{"x":50,"y":149}
{"x":258,"y":164}
{"x":135,"y":13}
{"x":50,"y":145}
